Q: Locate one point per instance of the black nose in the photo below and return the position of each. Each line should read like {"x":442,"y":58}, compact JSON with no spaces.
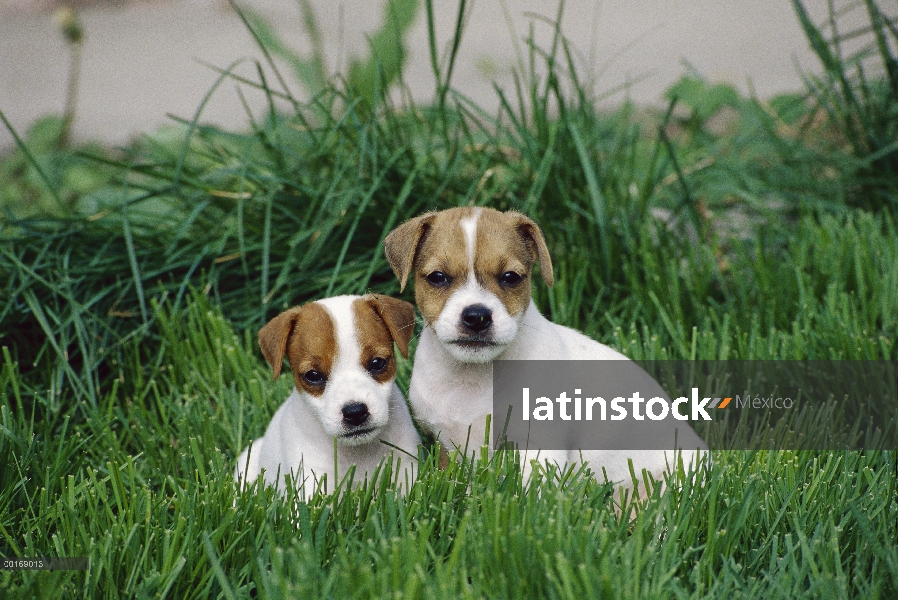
{"x":355,"y":414}
{"x":477,"y":317}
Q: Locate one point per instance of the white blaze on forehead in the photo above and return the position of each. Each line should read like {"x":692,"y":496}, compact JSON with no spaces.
{"x":340,"y":310}
{"x":469,"y":227}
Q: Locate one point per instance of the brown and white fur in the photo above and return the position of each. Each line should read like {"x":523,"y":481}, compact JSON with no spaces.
{"x":341,"y":353}
{"x":472,"y":269}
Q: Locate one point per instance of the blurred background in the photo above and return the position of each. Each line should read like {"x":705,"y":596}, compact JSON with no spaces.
{"x":144,"y":59}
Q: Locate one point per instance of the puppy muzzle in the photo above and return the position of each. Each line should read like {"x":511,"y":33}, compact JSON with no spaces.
{"x":358,"y":425}
{"x":355,"y":414}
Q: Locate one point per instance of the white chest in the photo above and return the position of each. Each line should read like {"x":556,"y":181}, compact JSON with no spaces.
{"x":450,"y":398}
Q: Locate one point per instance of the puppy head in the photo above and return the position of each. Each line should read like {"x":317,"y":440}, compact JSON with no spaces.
{"x":472,"y":270}
{"x":341,"y":353}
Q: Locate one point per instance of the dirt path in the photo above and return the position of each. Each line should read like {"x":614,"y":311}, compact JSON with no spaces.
{"x":140,"y":59}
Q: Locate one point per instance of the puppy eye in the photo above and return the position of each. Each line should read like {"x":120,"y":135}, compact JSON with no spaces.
{"x":314,"y":377}
{"x":438,"y":278}
{"x":510,"y":278}
{"x":377,"y":365}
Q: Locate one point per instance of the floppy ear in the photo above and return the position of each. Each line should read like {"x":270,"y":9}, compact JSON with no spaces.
{"x":401,"y":245}
{"x":399,"y":317}
{"x":274,"y":336}
{"x":533,"y":237}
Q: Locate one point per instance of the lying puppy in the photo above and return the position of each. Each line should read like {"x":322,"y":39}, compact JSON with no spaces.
{"x":341,"y":353}
{"x":472,"y":270}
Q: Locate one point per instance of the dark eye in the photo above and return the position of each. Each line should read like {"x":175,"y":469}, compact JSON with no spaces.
{"x":314,"y":377}
{"x":438,"y":278}
{"x":510,"y":278}
{"x":377,"y":365}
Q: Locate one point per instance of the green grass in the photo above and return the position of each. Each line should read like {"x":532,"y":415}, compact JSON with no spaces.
{"x":134,"y":282}
{"x":142,"y":484}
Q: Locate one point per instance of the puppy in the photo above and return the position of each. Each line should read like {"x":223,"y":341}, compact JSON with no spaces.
{"x":341,"y":353}
{"x":472,"y":269}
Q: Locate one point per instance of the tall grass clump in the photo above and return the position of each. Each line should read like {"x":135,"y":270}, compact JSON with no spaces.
{"x":830,"y":147}
{"x":857,"y":96}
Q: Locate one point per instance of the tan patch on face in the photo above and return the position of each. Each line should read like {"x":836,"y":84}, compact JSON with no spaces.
{"x":311,"y":346}
{"x":500,"y":248}
{"x":375,"y":340}
{"x":402,"y":244}
{"x":397,"y":315}
{"x":444,"y":250}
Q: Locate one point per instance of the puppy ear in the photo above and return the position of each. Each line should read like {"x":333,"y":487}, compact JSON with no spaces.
{"x":533,"y":237}
{"x":401,"y":245}
{"x":399,"y":317}
{"x":274,"y":336}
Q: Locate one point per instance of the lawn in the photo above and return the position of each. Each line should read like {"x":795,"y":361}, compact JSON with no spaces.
{"x":725,"y":227}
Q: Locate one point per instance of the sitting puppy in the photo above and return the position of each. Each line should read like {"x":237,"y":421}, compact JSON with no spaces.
{"x":472,"y":270}
{"x":341,"y":353}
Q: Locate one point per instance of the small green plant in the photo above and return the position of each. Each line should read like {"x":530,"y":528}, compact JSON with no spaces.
{"x":44,"y":179}
{"x":367,"y":77}
{"x":73,"y":32}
